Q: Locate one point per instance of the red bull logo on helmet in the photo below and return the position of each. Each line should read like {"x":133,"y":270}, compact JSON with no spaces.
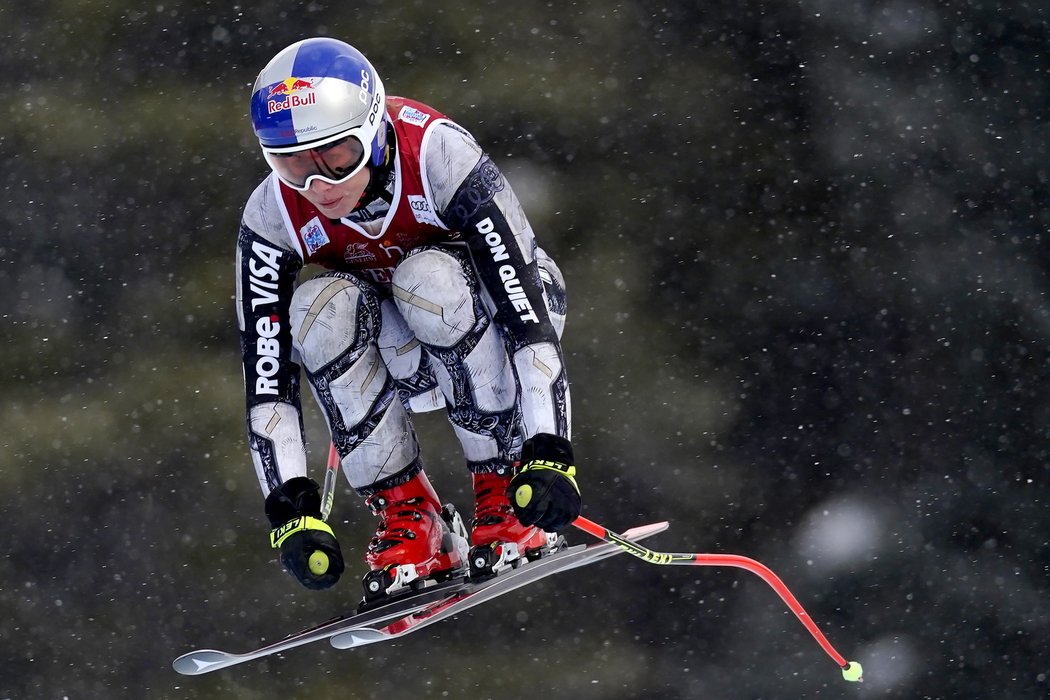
{"x":284,"y":95}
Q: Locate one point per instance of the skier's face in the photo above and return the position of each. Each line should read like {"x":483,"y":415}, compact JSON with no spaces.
{"x":337,"y":201}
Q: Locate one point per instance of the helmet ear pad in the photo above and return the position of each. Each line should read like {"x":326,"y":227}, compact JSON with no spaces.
{"x":379,"y":149}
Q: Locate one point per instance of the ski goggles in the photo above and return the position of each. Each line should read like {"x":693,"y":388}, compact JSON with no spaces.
{"x":334,"y":163}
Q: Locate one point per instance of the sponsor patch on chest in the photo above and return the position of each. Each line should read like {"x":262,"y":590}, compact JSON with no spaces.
{"x":358,"y":253}
{"x":413,"y":116}
{"x":314,"y":236}
{"x":422,"y":211}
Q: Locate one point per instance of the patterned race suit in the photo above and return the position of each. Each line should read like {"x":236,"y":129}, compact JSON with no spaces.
{"x":434,"y":294}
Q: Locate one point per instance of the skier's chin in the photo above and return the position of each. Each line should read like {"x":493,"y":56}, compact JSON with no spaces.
{"x":334,"y":208}
{"x":340,"y":200}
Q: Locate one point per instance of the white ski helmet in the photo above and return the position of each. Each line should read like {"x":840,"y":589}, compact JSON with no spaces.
{"x":316,"y":93}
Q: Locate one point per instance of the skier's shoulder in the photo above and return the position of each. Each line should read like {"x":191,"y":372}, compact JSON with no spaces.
{"x":262,"y":214}
{"x":444,"y":151}
{"x":415,"y":118}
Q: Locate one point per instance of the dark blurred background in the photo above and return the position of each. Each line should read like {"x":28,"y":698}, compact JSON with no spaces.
{"x":806,"y":252}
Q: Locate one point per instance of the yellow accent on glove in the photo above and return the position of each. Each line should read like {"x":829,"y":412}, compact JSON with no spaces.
{"x":318,"y":563}
{"x":566,"y":470}
{"x":523,"y":495}
{"x":279,"y":534}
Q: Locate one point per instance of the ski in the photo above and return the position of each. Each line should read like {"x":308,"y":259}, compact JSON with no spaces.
{"x":413,"y":611}
{"x":201,"y":661}
{"x":475,"y":593}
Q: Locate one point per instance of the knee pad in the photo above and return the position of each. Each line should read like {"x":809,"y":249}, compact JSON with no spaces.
{"x":436,"y":292}
{"x":407,"y":362}
{"x":332,"y":315}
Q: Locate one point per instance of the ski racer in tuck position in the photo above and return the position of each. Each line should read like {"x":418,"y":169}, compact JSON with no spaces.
{"x":435,"y":294}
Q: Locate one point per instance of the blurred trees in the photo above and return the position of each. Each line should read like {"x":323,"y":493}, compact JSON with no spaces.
{"x":805,"y":248}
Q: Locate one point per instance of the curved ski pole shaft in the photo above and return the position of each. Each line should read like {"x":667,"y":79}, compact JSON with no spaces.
{"x":850,"y":669}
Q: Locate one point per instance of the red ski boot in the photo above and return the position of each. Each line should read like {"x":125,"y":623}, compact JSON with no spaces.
{"x":499,"y":539}
{"x":416,"y":539}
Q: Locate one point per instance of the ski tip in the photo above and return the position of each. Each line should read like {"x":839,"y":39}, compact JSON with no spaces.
{"x":645,"y":530}
{"x":201,"y":661}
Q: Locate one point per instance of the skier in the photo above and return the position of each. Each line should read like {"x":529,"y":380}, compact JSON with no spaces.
{"x":435,"y":295}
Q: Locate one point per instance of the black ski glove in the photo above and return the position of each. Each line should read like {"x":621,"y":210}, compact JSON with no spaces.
{"x":308,"y":547}
{"x":544,"y":492}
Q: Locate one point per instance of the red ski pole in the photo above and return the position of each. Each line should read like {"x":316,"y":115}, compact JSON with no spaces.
{"x":851,"y":670}
{"x":318,"y":560}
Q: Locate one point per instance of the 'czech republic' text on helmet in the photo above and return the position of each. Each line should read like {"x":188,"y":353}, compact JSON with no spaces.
{"x":315,"y":92}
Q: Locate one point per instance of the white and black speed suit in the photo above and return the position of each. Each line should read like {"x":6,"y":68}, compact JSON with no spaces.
{"x":435,"y":294}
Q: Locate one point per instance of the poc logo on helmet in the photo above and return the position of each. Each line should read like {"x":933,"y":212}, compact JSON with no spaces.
{"x":366,"y":81}
{"x":365,"y":85}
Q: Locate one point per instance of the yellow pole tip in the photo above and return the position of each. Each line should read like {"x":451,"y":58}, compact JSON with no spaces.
{"x":853,"y":672}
